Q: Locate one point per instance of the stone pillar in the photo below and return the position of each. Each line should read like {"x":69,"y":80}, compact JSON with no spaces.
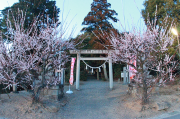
{"x":78,"y":71}
{"x":62,"y":76}
{"x":128,"y":78}
{"x":125,"y":75}
{"x":110,"y":72}
{"x":15,"y":88}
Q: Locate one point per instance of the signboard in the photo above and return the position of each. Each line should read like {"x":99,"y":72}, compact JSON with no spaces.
{"x":72,"y":69}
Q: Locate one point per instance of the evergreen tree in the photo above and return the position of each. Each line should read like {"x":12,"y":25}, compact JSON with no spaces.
{"x":44,"y":10}
{"x":164,"y":8}
{"x":98,"y":19}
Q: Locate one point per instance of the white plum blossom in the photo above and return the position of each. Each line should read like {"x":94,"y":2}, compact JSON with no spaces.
{"x":149,"y":49}
{"x":32,"y":49}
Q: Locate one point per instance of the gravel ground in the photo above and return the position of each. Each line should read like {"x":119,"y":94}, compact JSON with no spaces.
{"x":95,"y":101}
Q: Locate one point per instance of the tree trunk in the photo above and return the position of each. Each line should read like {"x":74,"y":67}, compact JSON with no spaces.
{"x":36,"y":93}
{"x":105,"y":72}
{"x":144,"y":93}
{"x":61,"y":95}
{"x":97,"y":70}
{"x":37,"y":88}
{"x":44,"y":71}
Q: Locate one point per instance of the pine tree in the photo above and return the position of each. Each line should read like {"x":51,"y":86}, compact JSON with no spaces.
{"x":98,"y":19}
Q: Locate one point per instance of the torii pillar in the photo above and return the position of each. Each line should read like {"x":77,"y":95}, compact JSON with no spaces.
{"x":78,"y":71}
{"x":110,"y":72}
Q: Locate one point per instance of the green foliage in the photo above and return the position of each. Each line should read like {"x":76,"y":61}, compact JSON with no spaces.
{"x":83,"y":72}
{"x":83,"y":41}
{"x":98,"y":19}
{"x":117,"y":69}
{"x":99,"y":15}
{"x":173,"y":49}
{"x":44,"y":10}
{"x":164,"y":8}
{"x":83,"y":75}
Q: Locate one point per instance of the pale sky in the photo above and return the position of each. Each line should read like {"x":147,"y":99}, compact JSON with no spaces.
{"x":73,"y":13}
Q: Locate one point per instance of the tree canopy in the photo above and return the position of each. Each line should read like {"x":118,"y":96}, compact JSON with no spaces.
{"x":164,"y":8}
{"x":33,"y":55}
{"x":99,"y":19}
{"x":146,"y":51}
{"x":44,"y":10}
{"x":99,"y":16}
{"x":170,"y":8}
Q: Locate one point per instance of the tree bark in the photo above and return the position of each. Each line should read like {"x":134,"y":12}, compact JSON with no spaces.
{"x":105,"y":72}
{"x":97,"y":70}
{"x":144,"y":93}
{"x":36,"y":93}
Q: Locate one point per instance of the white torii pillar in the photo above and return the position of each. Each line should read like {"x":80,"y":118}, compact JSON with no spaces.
{"x":110,"y":72}
{"x":78,"y":71}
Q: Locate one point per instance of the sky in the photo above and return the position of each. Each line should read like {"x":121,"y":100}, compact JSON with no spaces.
{"x":73,"y":13}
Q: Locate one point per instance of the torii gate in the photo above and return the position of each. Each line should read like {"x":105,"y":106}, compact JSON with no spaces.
{"x":79,"y":52}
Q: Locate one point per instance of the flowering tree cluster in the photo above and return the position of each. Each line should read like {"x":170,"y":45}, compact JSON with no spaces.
{"x":33,"y":52}
{"x":149,"y":50}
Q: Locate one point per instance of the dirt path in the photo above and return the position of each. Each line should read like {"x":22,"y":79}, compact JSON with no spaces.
{"x":95,"y":101}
